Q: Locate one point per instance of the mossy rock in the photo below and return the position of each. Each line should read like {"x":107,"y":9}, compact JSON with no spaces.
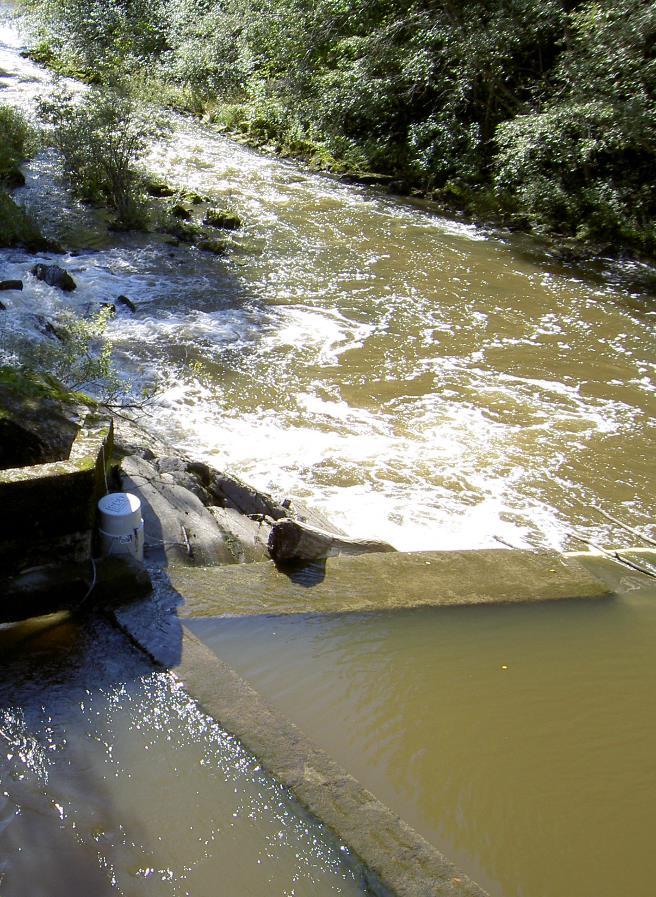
{"x":158,"y":189}
{"x":31,"y":384}
{"x":17,"y":229}
{"x":37,"y":420}
{"x":13,"y":178}
{"x":222,"y":218}
{"x":196,"y":199}
{"x":211,"y":244}
{"x":181,"y":212}
{"x":184,"y":231}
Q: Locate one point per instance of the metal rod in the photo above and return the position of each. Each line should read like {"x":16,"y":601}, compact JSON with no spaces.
{"x":625,"y":526}
{"x":615,"y":556}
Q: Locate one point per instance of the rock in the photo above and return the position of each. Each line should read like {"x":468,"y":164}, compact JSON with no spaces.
{"x":3,"y":307}
{"x":35,"y":425}
{"x":178,"y":527}
{"x":246,"y":539}
{"x":216,"y":247}
{"x":180,"y":211}
{"x":223,"y":219}
{"x":398,"y":188}
{"x":128,"y":303}
{"x":297,"y":509}
{"x":54,"y":276}
{"x":196,"y":199}
{"x":13,"y":179}
{"x":367,"y":179}
{"x":11,"y":285}
{"x":159,"y":189}
{"x":110,"y":306}
{"x":229,"y":492}
{"x":49,"y":329}
{"x":293,"y":540}
{"x":183,"y":231}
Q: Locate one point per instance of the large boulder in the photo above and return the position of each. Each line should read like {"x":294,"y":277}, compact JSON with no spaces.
{"x":54,"y":276}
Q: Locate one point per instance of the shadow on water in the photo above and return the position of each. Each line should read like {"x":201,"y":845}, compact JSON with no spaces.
{"x":51,"y":669}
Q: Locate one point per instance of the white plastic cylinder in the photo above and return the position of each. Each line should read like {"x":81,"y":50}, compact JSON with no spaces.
{"x":121,"y":525}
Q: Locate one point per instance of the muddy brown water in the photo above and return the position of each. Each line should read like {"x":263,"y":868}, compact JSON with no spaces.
{"x":521,"y":740}
{"x":421,"y":382}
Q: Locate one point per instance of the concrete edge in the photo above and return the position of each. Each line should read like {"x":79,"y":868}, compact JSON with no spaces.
{"x":91,"y":447}
{"x":395,"y":859}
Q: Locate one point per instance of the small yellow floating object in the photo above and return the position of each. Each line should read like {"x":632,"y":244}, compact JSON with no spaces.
{"x":504,"y":666}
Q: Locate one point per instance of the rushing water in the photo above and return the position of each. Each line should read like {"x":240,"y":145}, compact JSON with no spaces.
{"x":418,"y":381}
{"x":422,"y":383}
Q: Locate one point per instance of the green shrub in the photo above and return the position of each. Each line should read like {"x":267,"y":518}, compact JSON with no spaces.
{"x":17,"y":141}
{"x":16,"y":226}
{"x":101,"y":138}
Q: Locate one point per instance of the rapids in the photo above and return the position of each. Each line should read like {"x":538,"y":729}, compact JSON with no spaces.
{"x":417,"y":379}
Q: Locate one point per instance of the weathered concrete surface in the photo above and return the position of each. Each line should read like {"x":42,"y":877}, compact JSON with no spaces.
{"x":618,"y":577}
{"x":396,"y":860}
{"x":387,"y":582}
{"x":48,"y":510}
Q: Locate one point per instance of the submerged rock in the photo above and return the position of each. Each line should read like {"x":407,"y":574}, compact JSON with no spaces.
{"x":180,"y":211}
{"x":211,"y":244}
{"x":128,"y":303}
{"x":222,"y":218}
{"x":11,"y":285}
{"x":54,"y":276}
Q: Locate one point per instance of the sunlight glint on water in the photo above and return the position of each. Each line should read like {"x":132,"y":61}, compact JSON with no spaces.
{"x":416,"y":381}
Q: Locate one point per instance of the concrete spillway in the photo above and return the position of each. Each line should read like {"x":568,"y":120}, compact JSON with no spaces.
{"x":385,"y":582}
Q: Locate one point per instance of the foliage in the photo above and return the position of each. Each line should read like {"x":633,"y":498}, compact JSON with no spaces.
{"x":17,"y":141}
{"x":101,"y":137}
{"x":584,"y":164}
{"x":546,"y":104}
{"x":16,"y":227}
{"x":79,"y":357}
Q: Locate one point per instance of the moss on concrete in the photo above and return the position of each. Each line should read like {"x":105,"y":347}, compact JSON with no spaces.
{"x":376,"y":582}
{"x":54,"y":455}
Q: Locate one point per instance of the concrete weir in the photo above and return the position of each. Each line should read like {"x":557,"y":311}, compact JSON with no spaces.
{"x":395,"y":859}
{"x":375,"y":582}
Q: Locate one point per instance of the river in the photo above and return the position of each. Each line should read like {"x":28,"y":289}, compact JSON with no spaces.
{"x":423,"y":382}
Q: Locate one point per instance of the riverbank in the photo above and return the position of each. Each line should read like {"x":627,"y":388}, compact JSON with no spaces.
{"x":598,"y":259}
{"x":529,"y":136}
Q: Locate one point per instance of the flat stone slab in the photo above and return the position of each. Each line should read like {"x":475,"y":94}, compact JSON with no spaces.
{"x":375,"y":582}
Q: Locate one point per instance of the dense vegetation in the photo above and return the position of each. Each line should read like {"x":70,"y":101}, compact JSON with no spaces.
{"x":16,"y":142}
{"x":538,"y":112}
